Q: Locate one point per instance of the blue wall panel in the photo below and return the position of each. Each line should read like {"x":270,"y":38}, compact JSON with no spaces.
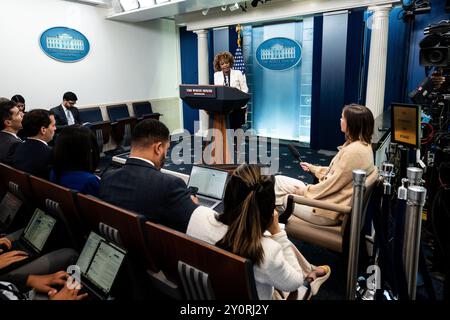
{"x":316,"y":76}
{"x":189,"y":72}
{"x":353,"y":68}
{"x":332,"y":83}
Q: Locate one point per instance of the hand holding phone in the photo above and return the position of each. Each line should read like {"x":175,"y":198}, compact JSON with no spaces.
{"x":193,"y":190}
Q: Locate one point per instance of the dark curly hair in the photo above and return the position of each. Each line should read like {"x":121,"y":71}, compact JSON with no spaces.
{"x":223,"y":56}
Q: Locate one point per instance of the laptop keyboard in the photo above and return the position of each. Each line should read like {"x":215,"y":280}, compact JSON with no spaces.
{"x":206,"y":202}
{"x":219,"y":207}
{"x":17,"y":245}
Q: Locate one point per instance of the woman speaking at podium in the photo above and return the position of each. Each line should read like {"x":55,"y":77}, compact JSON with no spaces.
{"x":225,"y":75}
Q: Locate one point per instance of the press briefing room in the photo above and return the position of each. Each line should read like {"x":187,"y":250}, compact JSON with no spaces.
{"x":193,"y":153}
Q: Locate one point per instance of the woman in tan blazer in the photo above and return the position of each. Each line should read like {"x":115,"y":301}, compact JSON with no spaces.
{"x":335,"y":181}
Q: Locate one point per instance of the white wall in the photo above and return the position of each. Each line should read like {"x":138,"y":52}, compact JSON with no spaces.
{"x":126,"y":62}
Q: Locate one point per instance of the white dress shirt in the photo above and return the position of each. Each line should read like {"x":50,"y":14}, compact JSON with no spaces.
{"x":69,"y":116}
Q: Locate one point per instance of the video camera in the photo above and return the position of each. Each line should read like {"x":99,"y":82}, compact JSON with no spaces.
{"x":434,"y":53}
{"x":435,"y":47}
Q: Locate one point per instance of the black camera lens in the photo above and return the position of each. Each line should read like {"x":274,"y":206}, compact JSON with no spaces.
{"x":436,"y":56}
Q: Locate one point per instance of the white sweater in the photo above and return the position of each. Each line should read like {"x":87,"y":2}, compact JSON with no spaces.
{"x":280,"y":268}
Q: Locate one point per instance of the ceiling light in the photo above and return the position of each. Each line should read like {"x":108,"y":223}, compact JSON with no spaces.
{"x":205,"y":11}
{"x":234,"y":7}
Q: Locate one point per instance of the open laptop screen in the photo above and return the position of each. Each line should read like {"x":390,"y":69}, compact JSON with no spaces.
{"x":39,"y":229}
{"x":210,"y":182}
{"x":105,"y":266}
{"x":88,"y":251}
{"x":9,"y":206}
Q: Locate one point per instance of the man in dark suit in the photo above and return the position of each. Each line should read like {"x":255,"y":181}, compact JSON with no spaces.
{"x":11,"y":123}
{"x":34,"y":155}
{"x":66,"y":114}
{"x":141,"y":187}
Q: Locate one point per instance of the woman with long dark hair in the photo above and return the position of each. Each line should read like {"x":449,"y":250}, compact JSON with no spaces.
{"x":249,"y":228}
{"x":75,"y":157}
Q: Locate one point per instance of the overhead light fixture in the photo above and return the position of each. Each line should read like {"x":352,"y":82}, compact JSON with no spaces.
{"x":234,"y":7}
{"x":205,"y":11}
{"x":255,"y":2}
{"x":224,"y":8}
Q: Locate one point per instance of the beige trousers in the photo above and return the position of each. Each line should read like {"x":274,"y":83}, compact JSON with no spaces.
{"x":285,"y":186}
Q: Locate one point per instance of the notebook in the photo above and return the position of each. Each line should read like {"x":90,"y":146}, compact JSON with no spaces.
{"x":210,"y":183}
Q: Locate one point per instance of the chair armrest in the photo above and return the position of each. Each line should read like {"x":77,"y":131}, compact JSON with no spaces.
{"x":321,"y":204}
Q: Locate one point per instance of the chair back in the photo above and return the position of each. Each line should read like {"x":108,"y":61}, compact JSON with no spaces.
{"x":118,"y":225}
{"x":334,"y":238}
{"x":117,"y":112}
{"x":92,"y":115}
{"x":143,"y":110}
{"x":16,"y":181}
{"x":122,"y":124}
{"x":200,"y":270}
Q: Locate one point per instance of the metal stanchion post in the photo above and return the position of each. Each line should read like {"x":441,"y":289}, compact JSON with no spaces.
{"x":414,"y":176}
{"x":359,"y":179}
{"x":413,"y":223}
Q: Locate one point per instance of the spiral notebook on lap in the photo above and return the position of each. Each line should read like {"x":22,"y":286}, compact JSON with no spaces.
{"x":210,"y":183}
{"x":99,"y":262}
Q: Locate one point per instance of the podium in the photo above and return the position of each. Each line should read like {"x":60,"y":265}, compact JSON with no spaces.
{"x":218,"y":101}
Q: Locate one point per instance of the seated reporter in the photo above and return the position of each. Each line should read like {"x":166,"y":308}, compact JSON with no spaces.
{"x":335,"y":181}
{"x":140,"y":186}
{"x":41,"y":275}
{"x":249,"y":228}
{"x":76,"y":155}
{"x":34,"y":155}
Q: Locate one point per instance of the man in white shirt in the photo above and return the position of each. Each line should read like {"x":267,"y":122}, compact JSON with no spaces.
{"x":66,"y":114}
{"x":11,"y":123}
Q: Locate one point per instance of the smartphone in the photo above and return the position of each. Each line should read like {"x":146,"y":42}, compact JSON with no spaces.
{"x":193,"y":190}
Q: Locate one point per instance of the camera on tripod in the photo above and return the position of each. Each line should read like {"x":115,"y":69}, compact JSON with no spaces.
{"x":434,"y":90}
{"x":435,"y":47}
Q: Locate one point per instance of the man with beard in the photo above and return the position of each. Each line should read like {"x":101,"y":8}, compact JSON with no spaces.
{"x":141,"y":187}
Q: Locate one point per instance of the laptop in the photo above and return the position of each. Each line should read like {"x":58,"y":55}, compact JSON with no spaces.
{"x":9,"y":206}
{"x":36,"y":234}
{"x":210,"y":183}
{"x":99,"y":262}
